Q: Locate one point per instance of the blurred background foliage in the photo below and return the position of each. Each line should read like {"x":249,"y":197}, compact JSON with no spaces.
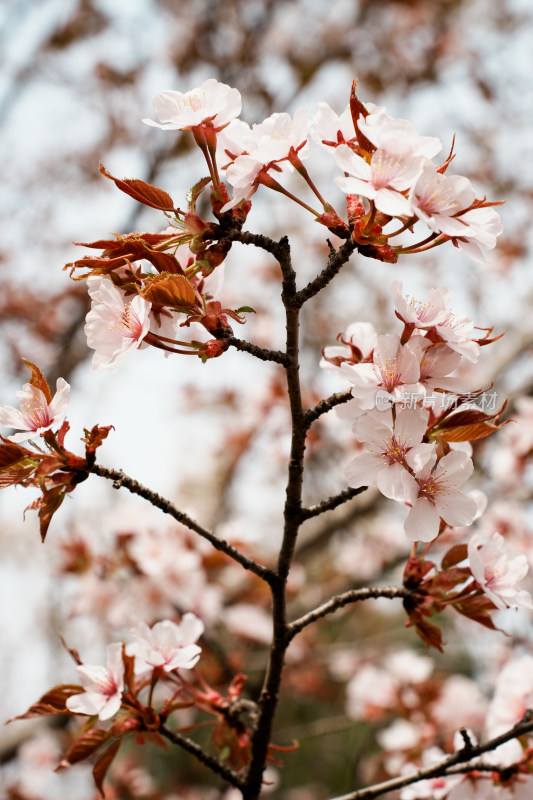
{"x":77,"y":78}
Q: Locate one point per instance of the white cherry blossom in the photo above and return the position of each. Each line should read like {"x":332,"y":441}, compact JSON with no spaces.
{"x":498,"y":572}
{"x":211,"y":103}
{"x":391,"y":448}
{"x":167,"y":645}
{"x":103,"y":686}
{"x":394,"y":370}
{"x":114,"y":325}
{"x":388,"y":132}
{"x":36,"y":415}
{"x":481,"y":227}
{"x":438,"y":200}
{"x":388,"y":174}
{"x":433,"y":493}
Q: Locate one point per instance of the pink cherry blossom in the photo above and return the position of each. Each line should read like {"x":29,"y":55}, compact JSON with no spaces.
{"x":212,"y":103}
{"x":36,"y":415}
{"x":359,"y":340}
{"x":438,"y":200}
{"x":498,"y":572}
{"x":434,"y":315}
{"x":103,"y":686}
{"x":391,"y":449}
{"x":383,"y":180}
{"x":168,"y":645}
{"x":434,"y":493}
{"x":394,"y":370}
{"x":436,"y":362}
{"x":481,"y":227}
{"x":114,"y":325}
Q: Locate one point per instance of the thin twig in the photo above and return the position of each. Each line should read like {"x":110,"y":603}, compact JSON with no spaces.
{"x":258,"y":352}
{"x":337,"y":259}
{"x":326,"y":405}
{"x":446,"y":766}
{"x":344,"y":599}
{"x":120,"y":479}
{"x":195,"y":749}
{"x":332,"y":502}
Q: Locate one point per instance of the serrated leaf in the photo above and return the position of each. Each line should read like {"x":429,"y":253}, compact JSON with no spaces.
{"x":53,"y":702}
{"x":102,"y":765}
{"x":456,"y":554}
{"x":83,"y":747}
{"x":245,"y":309}
{"x":170,"y":290}
{"x":141,"y":191}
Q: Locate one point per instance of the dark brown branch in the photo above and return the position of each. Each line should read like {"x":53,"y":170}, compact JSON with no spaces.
{"x":344,"y":599}
{"x":120,"y":479}
{"x":292,"y":519}
{"x":326,"y":405}
{"x":332,"y":502}
{"x":337,"y":259}
{"x":446,"y":766}
{"x":258,"y":352}
{"x":278,"y":249}
{"x":195,"y":749}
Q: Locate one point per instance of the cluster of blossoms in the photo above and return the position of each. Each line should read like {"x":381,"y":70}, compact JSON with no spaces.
{"x":164,"y":648}
{"x":156,"y":289}
{"x":414,"y":415}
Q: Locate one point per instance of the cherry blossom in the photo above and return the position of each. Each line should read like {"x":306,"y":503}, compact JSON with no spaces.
{"x":513,"y":694}
{"x":168,"y":645}
{"x":433,"y":493}
{"x":389,"y":132}
{"x":438,"y":200}
{"x":114,"y":325}
{"x":269,"y":143}
{"x":434,"y":315}
{"x":36,"y":415}
{"x":394,"y":370}
{"x":383,"y":180}
{"x":391,"y":448}
{"x":103,"y":686}
{"x":329,"y":129}
{"x":213,"y":103}
{"x":499,"y":573}
{"x":358,"y":342}
{"x":483,"y":226}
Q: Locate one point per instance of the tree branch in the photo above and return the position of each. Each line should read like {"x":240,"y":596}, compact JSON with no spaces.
{"x":195,"y":749}
{"x":447,"y":765}
{"x":337,"y":259}
{"x":120,"y":479}
{"x":332,"y":502}
{"x":326,"y":405}
{"x":258,"y":352}
{"x":344,"y":599}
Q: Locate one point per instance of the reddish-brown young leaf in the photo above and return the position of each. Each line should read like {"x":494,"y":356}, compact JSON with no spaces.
{"x":142,"y":192}
{"x":478,"y":608}
{"x":103,"y":763}
{"x":15,"y":463}
{"x":456,"y":554}
{"x":170,"y":290}
{"x":72,"y":651}
{"x":38,"y":380}
{"x":95,"y":437}
{"x":83,"y":747}
{"x":357,"y":110}
{"x":53,"y":702}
